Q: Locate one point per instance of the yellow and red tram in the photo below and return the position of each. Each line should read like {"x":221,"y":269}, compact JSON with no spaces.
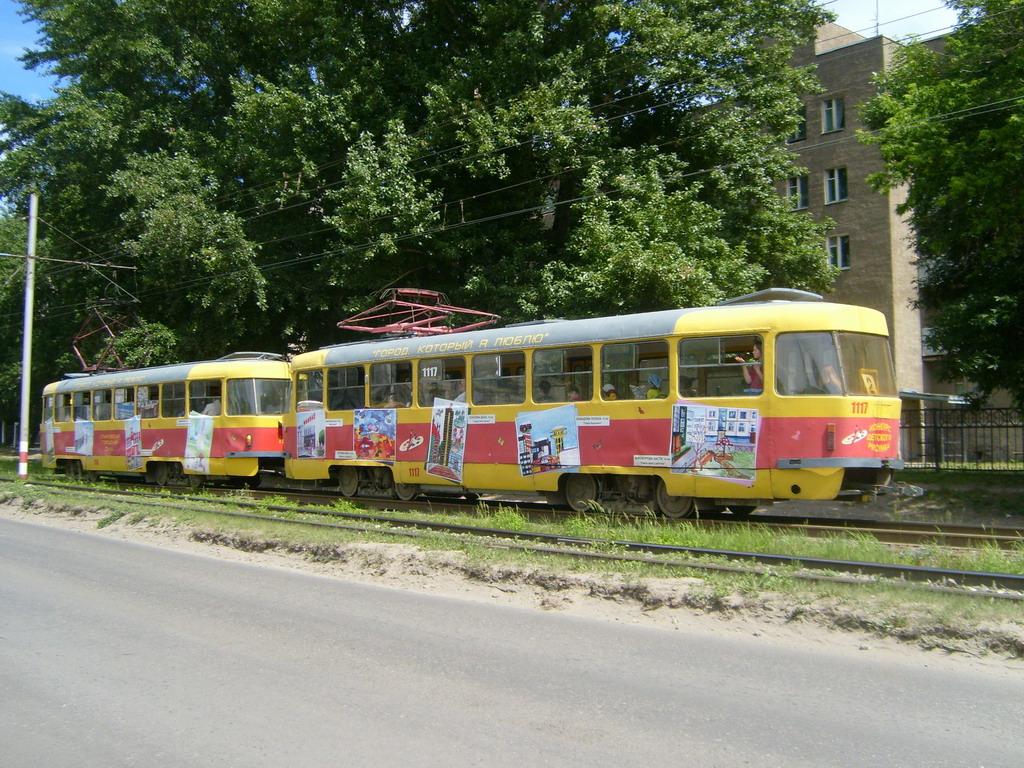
{"x":775,"y":395}
{"x":218,"y":419}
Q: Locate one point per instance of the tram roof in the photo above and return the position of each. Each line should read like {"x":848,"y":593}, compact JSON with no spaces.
{"x":759,"y":311}
{"x":234,"y":364}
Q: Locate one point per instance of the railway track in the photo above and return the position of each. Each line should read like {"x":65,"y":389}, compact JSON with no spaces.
{"x":1001,"y":585}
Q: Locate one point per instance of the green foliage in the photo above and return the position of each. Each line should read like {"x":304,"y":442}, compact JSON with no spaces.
{"x":269,"y":168}
{"x":950,"y":124}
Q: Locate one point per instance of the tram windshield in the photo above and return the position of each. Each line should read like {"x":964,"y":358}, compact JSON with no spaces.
{"x":258,"y":397}
{"x":823,"y":363}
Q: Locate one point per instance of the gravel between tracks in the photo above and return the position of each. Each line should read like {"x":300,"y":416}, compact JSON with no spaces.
{"x":681,"y":604}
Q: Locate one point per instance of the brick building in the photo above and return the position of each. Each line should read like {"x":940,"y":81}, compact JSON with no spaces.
{"x":869,"y":241}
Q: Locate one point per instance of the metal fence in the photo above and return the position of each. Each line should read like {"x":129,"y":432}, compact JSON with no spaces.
{"x":954,"y":437}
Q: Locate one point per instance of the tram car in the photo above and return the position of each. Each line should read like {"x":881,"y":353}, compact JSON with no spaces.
{"x":774,"y":395}
{"x":179,"y":424}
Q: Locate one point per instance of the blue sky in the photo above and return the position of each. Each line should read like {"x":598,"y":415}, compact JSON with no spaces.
{"x":895,"y":18}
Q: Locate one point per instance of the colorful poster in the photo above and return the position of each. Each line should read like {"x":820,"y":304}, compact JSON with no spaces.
{"x":447,"y":439}
{"x":548,"y":440}
{"x":374,"y":431}
{"x":83,"y":437}
{"x":124,"y":411}
{"x":312,"y":434}
{"x":715,"y":442}
{"x":133,"y":442}
{"x":199,"y":442}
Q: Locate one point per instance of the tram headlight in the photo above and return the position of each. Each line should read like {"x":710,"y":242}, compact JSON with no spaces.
{"x":248,"y":442}
{"x":830,"y":437}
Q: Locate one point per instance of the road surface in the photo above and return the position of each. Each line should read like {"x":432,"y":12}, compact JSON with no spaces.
{"x":121,"y":654}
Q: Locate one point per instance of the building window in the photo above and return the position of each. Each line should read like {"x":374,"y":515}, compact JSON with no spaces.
{"x":798,"y":195}
{"x":839,"y":251}
{"x":801,"y":129}
{"x":835,"y":185}
{"x":833,"y":115}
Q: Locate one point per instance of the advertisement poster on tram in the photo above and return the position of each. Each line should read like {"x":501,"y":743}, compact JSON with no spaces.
{"x":133,"y":442}
{"x":198,"y":442}
{"x":447,"y":446}
{"x":548,"y":440}
{"x":374,"y":431}
{"x":312,"y":434}
{"x":715,"y":442}
{"x":83,"y":437}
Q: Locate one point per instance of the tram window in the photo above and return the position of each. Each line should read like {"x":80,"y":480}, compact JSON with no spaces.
{"x":499,"y":379}
{"x":258,"y":397}
{"x":101,"y":404}
{"x":172,"y":399}
{"x":47,"y":408}
{"x":309,"y":389}
{"x":637,"y":369}
{"x":807,"y":364}
{"x":64,"y":406}
{"x":721,"y":366}
{"x":204,"y":397}
{"x":443,"y":377}
{"x":149,"y":404}
{"x":124,"y":403}
{"x":346,"y":388}
{"x":563,"y":375}
{"x":81,"y":405}
{"x":867,"y":364}
{"x":391,"y":384}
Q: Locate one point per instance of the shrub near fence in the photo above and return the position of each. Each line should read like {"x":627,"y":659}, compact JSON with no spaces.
{"x":963,"y":438}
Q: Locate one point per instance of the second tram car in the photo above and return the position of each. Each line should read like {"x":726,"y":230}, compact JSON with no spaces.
{"x":775,"y":395}
{"x":219,"y":419}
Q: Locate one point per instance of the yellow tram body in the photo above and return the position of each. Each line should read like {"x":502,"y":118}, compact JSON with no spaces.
{"x":776,"y":395}
{"x":175,"y":423}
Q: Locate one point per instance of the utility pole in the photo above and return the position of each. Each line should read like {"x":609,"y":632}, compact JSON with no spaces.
{"x":26,"y":342}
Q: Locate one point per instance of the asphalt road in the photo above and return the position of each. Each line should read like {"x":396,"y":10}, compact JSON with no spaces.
{"x":117,"y":654}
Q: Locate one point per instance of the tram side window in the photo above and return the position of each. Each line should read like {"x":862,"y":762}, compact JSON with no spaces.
{"x":64,"y":406}
{"x":499,"y":379}
{"x":637,"y":369}
{"x":443,"y":377}
{"x":149,"y":404}
{"x":346,"y":388}
{"x":81,"y":402}
{"x":309,"y":390}
{"x":101,"y":404}
{"x":204,"y":396}
{"x":807,"y":364}
{"x":258,"y":397}
{"x":721,"y":366}
{"x":124,"y":403}
{"x":172,"y":399}
{"x":391,"y":384}
{"x":563,"y":375}
{"x":48,"y":408}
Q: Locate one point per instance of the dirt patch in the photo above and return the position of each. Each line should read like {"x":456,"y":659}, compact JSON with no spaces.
{"x":673,"y":604}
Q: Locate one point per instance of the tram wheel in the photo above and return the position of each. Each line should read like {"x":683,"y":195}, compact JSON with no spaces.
{"x":158,"y":472}
{"x":406,"y":491}
{"x":673,"y":506}
{"x":348,"y":481}
{"x":74,"y":470}
{"x":580,"y":491}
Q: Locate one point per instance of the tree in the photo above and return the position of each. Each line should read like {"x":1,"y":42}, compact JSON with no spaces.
{"x":269,"y":170}
{"x":950,"y":124}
